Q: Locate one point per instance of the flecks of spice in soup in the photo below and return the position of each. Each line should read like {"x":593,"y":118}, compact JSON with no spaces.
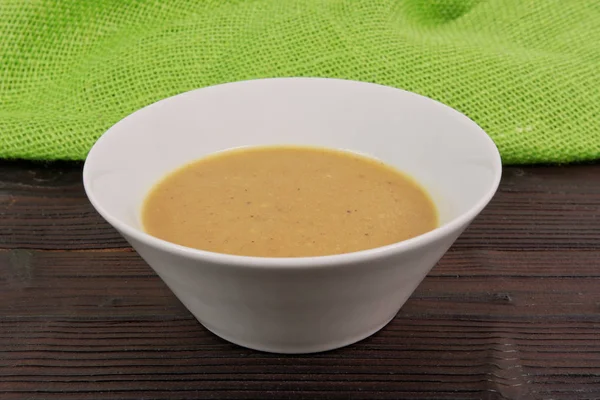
{"x":287,"y":202}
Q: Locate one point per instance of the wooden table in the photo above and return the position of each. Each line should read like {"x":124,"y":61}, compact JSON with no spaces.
{"x":511,"y":312}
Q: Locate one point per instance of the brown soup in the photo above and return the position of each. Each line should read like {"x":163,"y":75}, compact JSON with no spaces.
{"x":287,"y":202}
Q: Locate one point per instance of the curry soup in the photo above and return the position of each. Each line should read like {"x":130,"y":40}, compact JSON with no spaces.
{"x":287,"y":202}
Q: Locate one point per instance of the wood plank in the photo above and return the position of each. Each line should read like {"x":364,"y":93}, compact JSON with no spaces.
{"x":120,"y":284}
{"x":475,"y":358}
{"x":44,"y":206}
{"x":540,"y":208}
{"x":536,"y":208}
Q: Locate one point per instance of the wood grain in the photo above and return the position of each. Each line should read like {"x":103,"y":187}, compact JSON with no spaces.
{"x":511,"y":312}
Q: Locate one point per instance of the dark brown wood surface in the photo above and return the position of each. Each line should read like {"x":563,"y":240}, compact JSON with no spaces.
{"x":511,"y":312}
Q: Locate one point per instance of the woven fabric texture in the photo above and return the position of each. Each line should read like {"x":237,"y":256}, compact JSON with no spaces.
{"x":527,"y":71}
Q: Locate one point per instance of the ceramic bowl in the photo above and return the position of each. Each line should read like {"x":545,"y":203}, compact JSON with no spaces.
{"x":295,"y":305}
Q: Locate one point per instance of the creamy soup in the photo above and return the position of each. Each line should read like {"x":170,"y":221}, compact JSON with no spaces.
{"x":287,"y":202}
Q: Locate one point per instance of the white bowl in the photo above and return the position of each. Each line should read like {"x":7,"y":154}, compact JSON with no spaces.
{"x":295,"y":305}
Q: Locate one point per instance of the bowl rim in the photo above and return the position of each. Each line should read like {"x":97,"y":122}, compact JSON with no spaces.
{"x":299,"y":262}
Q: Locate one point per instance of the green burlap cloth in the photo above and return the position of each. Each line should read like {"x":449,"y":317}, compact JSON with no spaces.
{"x":527,"y":71}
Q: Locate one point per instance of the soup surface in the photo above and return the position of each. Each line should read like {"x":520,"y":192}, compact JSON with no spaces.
{"x":287,"y":202}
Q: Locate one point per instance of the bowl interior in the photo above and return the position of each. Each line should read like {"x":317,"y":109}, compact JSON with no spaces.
{"x":442,"y":149}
